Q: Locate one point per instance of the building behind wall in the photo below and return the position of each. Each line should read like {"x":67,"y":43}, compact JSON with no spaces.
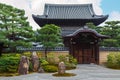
{"x":72,"y":18}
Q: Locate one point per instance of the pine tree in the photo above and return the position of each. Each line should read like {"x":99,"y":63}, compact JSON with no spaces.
{"x":49,"y":36}
{"x":14,"y":28}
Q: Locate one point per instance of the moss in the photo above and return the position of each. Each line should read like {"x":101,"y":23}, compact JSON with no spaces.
{"x":9,"y":74}
{"x":64,"y":75}
{"x":50,"y":68}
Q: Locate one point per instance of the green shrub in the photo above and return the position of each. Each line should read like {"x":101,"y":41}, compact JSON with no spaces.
{"x":11,"y":55}
{"x":51,"y":58}
{"x":30,"y":67}
{"x":69,"y":61}
{"x":9,"y":63}
{"x":113,"y":60}
{"x":72,"y":59}
{"x":62,"y":58}
{"x":43,"y":62}
{"x":12,"y":69}
{"x":70,"y":66}
{"x":50,"y":68}
{"x":28,"y":54}
{"x":3,"y":69}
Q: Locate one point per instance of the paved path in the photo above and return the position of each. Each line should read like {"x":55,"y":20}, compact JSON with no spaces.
{"x":84,"y":72}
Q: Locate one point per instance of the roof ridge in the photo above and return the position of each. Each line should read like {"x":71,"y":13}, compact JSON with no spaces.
{"x":48,"y":4}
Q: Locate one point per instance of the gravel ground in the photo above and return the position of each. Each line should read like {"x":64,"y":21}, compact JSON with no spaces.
{"x":84,"y":72}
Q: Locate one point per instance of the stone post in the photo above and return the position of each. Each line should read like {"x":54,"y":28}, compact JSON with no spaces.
{"x":23,"y":66}
{"x":35,"y":61}
{"x":61,"y":68}
{"x":41,"y":70}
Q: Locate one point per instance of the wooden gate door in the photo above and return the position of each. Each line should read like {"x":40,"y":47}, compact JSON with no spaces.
{"x":87,"y":53}
{"x":84,"y":55}
{"x":78,"y":54}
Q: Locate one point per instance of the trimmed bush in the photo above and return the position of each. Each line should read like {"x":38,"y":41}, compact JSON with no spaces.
{"x":43,"y":62}
{"x":30,"y":67}
{"x":72,"y":59}
{"x":113,"y":60}
{"x":62,"y":58}
{"x":50,"y":68}
{"x":70,"y":66}
{"x":28,"y":54}
{"x":9,"y":63}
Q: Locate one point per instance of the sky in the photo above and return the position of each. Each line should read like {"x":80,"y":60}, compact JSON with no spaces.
{"x":101,"y":7}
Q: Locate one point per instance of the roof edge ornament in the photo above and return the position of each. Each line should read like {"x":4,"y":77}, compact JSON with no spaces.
{"x":85,"y":27}
{"x":46,"y":14}
{"x":89,"y":7}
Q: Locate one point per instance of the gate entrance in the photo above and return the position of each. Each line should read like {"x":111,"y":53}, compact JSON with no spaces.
{"x":84,"y":45}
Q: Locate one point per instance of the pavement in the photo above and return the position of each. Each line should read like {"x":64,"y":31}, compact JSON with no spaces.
{"x":83,"y":72}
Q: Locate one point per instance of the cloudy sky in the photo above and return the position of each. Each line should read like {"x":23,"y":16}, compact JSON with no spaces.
{"x":37,"y":6}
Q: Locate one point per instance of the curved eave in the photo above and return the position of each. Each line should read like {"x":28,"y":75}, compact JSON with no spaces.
{"x":42,"y":20}
{"x":100,"y":20}
{"x":94,"y":33}
{"x":38,"y":20}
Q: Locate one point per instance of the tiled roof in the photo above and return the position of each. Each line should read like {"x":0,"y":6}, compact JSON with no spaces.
{"x":68,"y":11}
{"x":67,"y":32}
{"x":69,"y":14}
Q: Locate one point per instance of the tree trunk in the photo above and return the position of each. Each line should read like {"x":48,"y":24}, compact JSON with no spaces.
{"x":46,"y":52}
{"x":13,"y":49}
{"x":0,"y":51}
{"x":1,"y":48}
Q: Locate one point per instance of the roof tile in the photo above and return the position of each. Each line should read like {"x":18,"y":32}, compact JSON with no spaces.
{"x":71,"y":11}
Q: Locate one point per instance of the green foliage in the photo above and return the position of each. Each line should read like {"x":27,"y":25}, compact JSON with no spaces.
{"x":69,"y":61}
{"x":70,"y":66}
{"x":68,"y":58}
{"x":49,"y":36}
{"x":72,"y":59}
{"x":9,"y":63}
{"x":92,"y":26}
{"x":28,"y":54}
{"x":51,"y":58}
{"x":15,"y":29}
{"x":110,"y":43}
{"x":43,"y":62}
{"x":113,"y":60}
{"x":111,"y":29}
{"x":30,"y":67}
{"x":50,"y":68}
{"x":62,"y":58}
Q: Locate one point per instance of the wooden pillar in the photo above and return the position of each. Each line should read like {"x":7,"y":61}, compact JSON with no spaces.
{"x":97,"y":53}
{"x":71,"y":48}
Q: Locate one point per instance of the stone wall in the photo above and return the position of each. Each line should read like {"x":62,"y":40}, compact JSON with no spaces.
{"x":103,"y":56}
{"x":58,"y":53}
